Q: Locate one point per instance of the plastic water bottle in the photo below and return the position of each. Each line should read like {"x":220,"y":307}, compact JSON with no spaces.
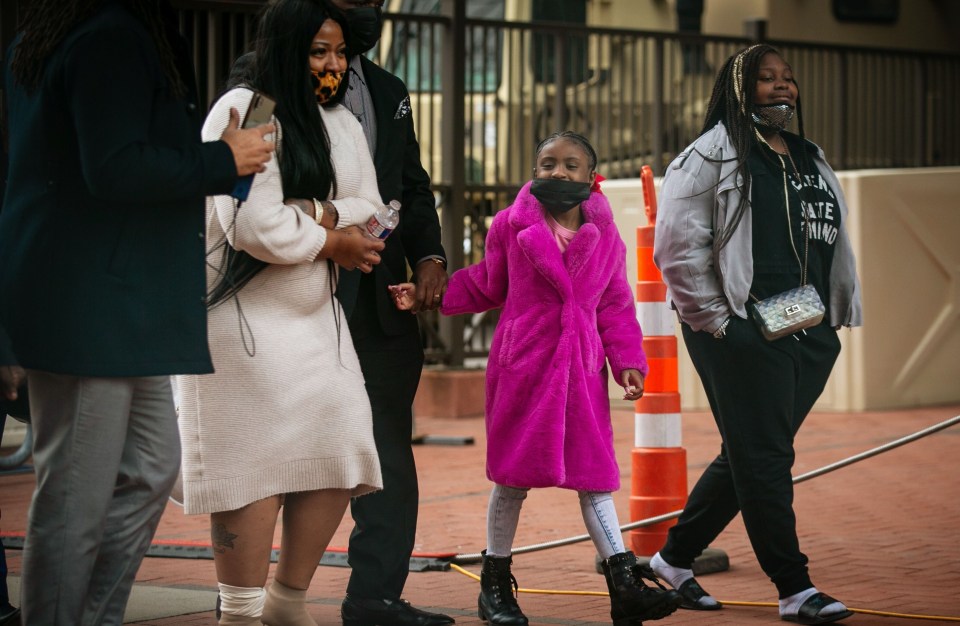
{"x":382,"y":223}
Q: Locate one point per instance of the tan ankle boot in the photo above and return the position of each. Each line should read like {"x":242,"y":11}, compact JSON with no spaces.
{"x":285,"y":606}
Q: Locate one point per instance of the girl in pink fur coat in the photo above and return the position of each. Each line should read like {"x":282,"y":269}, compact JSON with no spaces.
{"x":555,"y":263}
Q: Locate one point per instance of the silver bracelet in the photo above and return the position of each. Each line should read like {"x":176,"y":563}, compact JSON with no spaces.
{"x":721,"y":332}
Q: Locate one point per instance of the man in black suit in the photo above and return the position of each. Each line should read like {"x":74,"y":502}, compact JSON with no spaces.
{"x":387,"y":340}
{"x":103,"y":283}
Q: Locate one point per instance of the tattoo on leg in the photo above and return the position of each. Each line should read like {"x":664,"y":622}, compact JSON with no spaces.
{"x":221,"y":538}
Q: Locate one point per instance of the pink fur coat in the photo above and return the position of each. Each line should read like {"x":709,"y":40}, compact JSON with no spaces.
{"x":564,"y":313}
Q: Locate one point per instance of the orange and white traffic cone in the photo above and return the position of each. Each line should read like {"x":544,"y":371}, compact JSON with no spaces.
{"x":659,"y":462}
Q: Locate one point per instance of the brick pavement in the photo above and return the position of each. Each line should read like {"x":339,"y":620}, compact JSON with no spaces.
{"x":883,"y":534}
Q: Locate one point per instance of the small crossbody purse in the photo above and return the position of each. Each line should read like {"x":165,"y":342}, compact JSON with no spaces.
{"x":797,"y":309}
{"x":788,"y":312}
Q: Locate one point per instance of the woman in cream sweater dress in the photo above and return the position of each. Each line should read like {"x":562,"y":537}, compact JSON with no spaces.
{"x":285,"y":419}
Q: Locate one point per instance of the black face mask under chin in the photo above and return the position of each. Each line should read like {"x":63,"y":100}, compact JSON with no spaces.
{"x":365,"y":25}
{"x":559,"y":196}
{"x":773,"y":116}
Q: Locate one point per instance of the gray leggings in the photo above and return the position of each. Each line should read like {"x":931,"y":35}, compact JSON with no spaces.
{"x":599,"y":516}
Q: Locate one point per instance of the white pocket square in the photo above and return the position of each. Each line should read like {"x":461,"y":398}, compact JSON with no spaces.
{"x":403,"y":110}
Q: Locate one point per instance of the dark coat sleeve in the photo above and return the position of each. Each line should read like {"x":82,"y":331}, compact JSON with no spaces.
{"x":115,"y":119}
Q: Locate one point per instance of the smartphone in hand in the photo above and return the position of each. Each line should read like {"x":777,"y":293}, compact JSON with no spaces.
{"x":258,"y":113}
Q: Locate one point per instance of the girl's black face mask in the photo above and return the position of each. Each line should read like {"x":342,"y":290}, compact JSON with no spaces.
{"x":559,"y":196}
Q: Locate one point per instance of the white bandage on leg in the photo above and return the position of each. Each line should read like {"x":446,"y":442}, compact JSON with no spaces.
{"x":244,"y":601}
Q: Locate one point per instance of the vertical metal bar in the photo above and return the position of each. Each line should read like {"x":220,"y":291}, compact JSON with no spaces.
{"x":659,"y":87}
{"x":615,"y":143}
{"x":213,"y":46}
{"x":524,"y":130}
{"x":451,"y":328}
{"x":415,"y":77}
{"x":633,"y":113}
{"x":431,"y":92}
{"x":560,"y":83}
{"x":840,"y":88}
{"x":929,"y":112}
{"x":920,"y":122}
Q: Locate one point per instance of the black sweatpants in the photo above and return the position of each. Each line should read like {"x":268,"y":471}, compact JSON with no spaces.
{"x":760,"y":392}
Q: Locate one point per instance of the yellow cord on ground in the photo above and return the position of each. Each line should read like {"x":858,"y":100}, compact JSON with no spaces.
{"x":456,"y":567}
{"x":943,"y":618}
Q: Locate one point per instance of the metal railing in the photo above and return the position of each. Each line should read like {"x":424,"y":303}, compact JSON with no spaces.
{"x":485,"y":92}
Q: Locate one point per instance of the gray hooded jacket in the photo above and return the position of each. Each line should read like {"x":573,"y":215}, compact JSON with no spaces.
{"x":694,"y":193}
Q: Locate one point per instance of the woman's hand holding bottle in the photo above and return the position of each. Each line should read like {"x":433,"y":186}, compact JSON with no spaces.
{"x":352,"y":249}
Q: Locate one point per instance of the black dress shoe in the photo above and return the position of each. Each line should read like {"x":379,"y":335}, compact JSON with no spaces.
{"x":383,"y":612}
{"x":10,"y":617}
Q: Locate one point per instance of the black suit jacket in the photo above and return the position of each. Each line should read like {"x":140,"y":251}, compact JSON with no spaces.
{"x":400,"y":176}
{"x":102,"y":230}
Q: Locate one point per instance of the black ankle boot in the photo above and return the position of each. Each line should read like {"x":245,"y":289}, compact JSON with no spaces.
{"x":497,"y":603}
{"x":631,"y":601}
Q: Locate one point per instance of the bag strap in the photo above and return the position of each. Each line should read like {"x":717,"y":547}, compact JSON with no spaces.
{"x":786,"y":203}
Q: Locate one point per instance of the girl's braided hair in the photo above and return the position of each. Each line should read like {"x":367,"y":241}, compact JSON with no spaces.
{"x":574,"y":137}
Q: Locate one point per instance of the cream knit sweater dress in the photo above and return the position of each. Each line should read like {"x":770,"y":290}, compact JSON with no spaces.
{"x":286,"y":409}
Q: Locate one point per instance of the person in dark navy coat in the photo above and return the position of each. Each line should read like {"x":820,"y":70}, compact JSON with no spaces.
{"x":102,"y":282}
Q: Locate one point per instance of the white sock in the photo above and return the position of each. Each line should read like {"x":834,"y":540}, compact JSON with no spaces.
{"x":243,"y":601}
{"x":676,"y":576}
{"x":791,"y":605}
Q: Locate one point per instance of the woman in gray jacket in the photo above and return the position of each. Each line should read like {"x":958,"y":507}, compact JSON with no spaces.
{"x":749,"y":211}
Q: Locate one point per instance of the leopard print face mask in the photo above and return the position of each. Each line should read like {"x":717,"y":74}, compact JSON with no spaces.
{"x":329,"y":86}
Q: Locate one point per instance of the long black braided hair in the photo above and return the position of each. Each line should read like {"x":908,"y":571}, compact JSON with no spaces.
{"x":280,"y":67}
{"x":46,"y":23}
{"x":732,"y":103}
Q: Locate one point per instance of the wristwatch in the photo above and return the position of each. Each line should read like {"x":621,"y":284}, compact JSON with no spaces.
{"x":721,"y":332}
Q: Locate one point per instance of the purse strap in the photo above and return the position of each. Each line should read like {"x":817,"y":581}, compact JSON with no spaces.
{"x":786,"y":203}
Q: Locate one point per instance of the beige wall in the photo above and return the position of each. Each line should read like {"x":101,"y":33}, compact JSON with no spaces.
{"x":922,"y":25}
{"x":727,"y":17}
{"x":905,"y":227}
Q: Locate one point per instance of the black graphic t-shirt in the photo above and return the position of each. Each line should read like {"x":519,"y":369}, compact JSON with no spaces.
{"x":775,"y":262}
